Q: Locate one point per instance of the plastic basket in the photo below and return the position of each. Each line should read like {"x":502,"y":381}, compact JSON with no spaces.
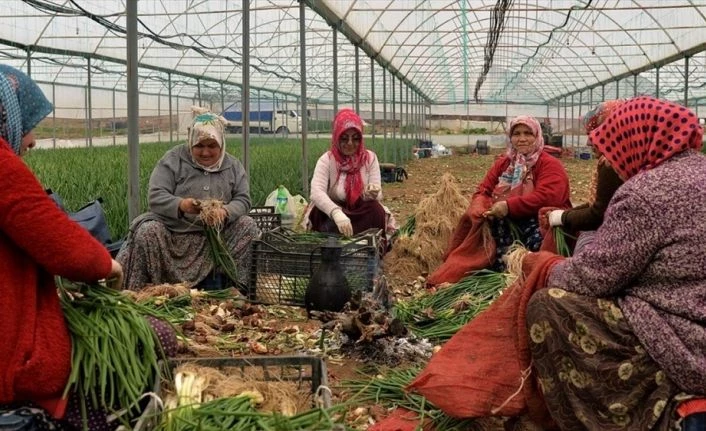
{"x":283,"y":261}
{"x":308,"y":372}
{"x":266,"y":218}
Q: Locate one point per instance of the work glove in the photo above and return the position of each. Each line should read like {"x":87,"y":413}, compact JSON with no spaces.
{"x":555,"y":217}
{"x":342,"y":222}
{"x":371,"y":192}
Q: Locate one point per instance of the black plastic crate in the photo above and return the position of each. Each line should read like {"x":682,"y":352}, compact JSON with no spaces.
{"x":266,"y":218}
{"x":309,"y":372}
{"x":283,"y":261}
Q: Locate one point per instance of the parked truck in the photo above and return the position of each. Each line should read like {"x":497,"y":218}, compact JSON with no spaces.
{"x":265,"y":117}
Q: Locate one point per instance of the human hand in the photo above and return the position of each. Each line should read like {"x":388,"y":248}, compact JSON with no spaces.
{"x":114,"y":279}
{"x":190,"y":206}
{"x":554,"y":218}
{"x":372,"y":191}
{"x":342,"y":222}
{"x":498,"y":210}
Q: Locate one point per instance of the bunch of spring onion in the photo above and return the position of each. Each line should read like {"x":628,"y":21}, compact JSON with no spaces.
{"x":439,"y":315}
{"x":407,"y":229}
{"x":188,"y":411}
{"x":562,"y":248}
{"x":115,"y":351}
{"x":213,"y":222}
{"x":388,"y":390}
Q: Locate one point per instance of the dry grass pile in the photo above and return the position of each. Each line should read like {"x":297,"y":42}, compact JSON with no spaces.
{"x":436,"y":217}
{"x":277,"y":395}
{"x":159,"y":290}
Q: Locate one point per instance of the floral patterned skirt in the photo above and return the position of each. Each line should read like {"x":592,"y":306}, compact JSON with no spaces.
{"x":152,"y":254}
{"x":593,"y":371}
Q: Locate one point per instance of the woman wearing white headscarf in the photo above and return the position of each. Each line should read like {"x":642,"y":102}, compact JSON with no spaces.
{"x":168,"y":244}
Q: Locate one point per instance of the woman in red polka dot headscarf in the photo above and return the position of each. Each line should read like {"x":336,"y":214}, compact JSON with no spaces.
{"x":618,"y":338}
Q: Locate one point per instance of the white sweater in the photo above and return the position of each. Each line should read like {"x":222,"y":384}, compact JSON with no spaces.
{"x":327,"y":193}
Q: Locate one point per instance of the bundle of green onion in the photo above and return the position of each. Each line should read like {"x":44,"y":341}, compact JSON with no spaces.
{"x":388,"y":390}
{"x":221,"y":256}
{"x":115,"y":351}
{"x":562,"y":247}
{"x":439,"y":315}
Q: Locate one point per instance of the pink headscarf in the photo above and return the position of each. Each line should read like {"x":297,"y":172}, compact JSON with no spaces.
{"x":347,"y":119}
{"x":511,"y":181}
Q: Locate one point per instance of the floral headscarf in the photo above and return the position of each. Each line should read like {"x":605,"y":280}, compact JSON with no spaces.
{"x":207,"y":125}
{"x":591,"y":120}
{"x":347,"y":119}
{"x":22,"y":106}
{"x":644,"y":132}
{"x":511,"y":181}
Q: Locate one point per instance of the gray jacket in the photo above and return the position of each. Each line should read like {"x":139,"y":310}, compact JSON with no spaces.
{"x":176,"y":177}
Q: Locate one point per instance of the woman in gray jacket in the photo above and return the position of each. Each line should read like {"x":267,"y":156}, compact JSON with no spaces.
{"x":168,"y":243}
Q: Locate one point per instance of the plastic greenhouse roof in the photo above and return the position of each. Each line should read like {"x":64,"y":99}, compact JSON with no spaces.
{"x":451,"y":52}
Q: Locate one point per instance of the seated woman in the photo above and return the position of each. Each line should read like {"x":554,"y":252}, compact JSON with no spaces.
{"x":346,"y":186}
{"x":619,"y":337}
{"x":38,"y":241}
{"x":508,"y":200}
{"x":586,"y":218}
{"x":168,"y":243}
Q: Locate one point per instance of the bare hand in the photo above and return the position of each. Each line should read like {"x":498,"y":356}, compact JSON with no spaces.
{"x":498,"y":210}
{"x":114,"y":279}
{"x":190,"y":206}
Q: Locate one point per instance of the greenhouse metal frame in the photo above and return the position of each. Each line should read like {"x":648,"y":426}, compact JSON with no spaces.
{"x":398,"y":62}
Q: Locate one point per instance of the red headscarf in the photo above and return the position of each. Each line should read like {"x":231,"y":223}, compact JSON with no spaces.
{"x":347,"y":119}
{"x":644,"y":132}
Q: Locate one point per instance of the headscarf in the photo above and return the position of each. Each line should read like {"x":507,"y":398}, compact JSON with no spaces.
{"x":591,"y":120}
{"x":347,"y":119}
{"x":207,"y":125}
{"x":511,"y":181}
{"x":644,"y":132}
{"x":22,"y":106}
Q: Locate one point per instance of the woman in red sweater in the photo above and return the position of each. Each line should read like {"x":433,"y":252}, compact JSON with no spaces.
{"x":506,"y":204}
{"x":37,"y":242}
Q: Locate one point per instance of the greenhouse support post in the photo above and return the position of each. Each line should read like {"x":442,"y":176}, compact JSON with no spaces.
{"x":686,"y":81}
{"x":89,"y":104}
{"x":171,"y":117}
{"x":372,"y":95}
{"x":133,"y":112}
{"x":113,"y":122}
{"x":245,"y":89}
{"x":394,"y":119}
{"x":335,"y":70}
{"x":53,"y":115}
{"x":357,"y":80}
{"x":304,"y":116}
{"x":384,"y":115}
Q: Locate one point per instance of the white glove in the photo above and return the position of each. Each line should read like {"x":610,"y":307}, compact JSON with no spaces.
{"x":555,"y":217}
{"x":372,"y":191}
{"x":342,"y":222}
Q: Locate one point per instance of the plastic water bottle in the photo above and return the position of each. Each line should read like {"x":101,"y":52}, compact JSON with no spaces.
{"x":282,"y":208}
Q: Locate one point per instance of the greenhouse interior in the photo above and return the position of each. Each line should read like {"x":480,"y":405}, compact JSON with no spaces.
{"x":439,"y":87}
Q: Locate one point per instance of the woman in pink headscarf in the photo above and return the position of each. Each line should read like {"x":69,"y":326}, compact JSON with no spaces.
{"x":346,"y":187}
{"x":518,"y":184}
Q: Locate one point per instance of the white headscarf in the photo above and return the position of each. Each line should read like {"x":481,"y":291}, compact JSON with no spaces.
{"x":207,"y":125}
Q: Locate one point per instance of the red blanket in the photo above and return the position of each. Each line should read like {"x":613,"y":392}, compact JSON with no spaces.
{"x":485,"y":369}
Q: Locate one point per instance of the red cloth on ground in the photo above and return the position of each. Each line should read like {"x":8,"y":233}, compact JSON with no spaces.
{"x":37,"y":240}
{"x":471,"y":247}
{"x":551,"y":186}
{"x":401,"y":419}
{"x":479,"y":371}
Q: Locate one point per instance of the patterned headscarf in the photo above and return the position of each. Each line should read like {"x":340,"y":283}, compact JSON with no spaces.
{"x":208,"y":125}
{"x":644,"y":132}
{"x":512,"y":179}
{"x":597,"y":116}
{"x":347,"y":119}
{"x":22,"y":106}
{"x":591,"y":120}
